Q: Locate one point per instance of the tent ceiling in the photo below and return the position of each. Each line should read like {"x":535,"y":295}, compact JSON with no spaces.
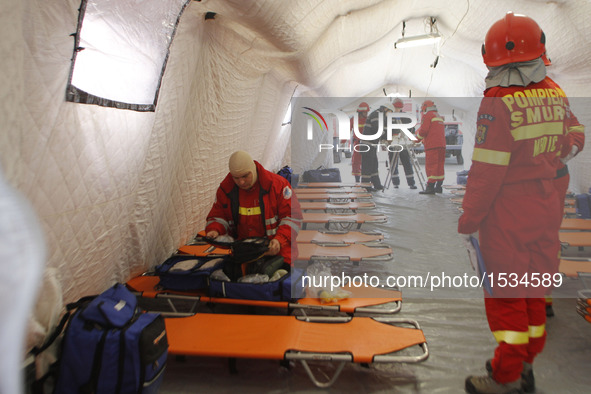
{"x":326,"y":43}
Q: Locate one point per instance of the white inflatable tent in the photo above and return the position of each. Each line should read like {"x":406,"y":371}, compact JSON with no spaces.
{"x":116,"y":190}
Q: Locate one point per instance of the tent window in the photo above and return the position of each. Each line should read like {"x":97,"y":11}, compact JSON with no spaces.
{"x":120,"y":52}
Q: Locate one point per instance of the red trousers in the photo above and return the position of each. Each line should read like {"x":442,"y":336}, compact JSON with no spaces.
{"x":519,"y":240}
{"x":434,"y":164}
{"x":523,"y":319}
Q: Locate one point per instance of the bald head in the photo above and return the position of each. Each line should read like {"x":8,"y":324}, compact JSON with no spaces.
{"x":241,"y":167}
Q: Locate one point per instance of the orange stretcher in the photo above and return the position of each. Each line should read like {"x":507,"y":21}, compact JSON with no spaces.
{"x":343,"y":252}
{"x":575,"y":239}
{"x":335,"y":206}
{"x":184,"y":303}
{"x":576,"y":224}
{"x":326,"y":339}
{"x":334,"y":184}
{"x":332,"y":197}
{"x":341,"y":221}
{"x":337,"y":237}
{"x":454,"y":187}
{"x":336,"y":190}
{"x":574,"y":266}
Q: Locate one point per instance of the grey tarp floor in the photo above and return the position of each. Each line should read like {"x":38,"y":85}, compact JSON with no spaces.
{"x":422,"y":233}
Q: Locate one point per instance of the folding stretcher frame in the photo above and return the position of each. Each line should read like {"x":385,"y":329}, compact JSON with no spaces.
{"x":368,"y":301}
{"x":334,"y":197}
{"x":355,"y":253}
{"x":341,"y":221}
{"x":335,"y":237}
{"x":335,"y":207}
{"x":336,"y":190}
{"x":334,"y":184}
{"x":325,"y":339}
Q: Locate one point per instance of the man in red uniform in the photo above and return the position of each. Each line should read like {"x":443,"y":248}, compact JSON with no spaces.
{"x":511,"y":199}
{"x":362,"y":112}
{"x":254,"y":202}
{"x":432,"y":134}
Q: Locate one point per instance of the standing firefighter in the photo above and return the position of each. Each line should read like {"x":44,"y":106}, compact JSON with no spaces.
{"x":511,"y":199}
{"x":432,"y":134}
{"x":401,"y":140}
{"x":362,"y":112}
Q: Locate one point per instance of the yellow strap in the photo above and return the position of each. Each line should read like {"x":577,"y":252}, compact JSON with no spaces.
{"x":512,"y":337}
{"x":537,"y":331}
{"x":491,"y":156}
{"x":249,"y":211}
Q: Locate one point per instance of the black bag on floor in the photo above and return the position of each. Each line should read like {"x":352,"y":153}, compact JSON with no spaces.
{"x":322,"y":175}
{"x":110,"y":346}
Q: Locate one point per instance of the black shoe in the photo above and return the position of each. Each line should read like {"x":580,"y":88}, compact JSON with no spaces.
{"x":549,"y":310}
{"x":412,"y":187}
{"x":429,"y":190}
{"x":395,"y":186}
{"x":438,"y":187}
{"x":528,"y":382}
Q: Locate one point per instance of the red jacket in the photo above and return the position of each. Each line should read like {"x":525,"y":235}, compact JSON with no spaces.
{"x":519,"y":138}
{"x":575,"y":132}
{"x":432,"y":131}
{"x":238,"y":212}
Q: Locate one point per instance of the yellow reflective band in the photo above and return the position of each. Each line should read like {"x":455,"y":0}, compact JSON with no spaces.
{"x":576,"y":129}
{"x":537,"y":130}
{"x":512,"y":337}
{"x":436,"y":178}
{"x":437,"y":120}
{"x":537,"y":331}
{"x":491,"y":156}
{"x":249,"y":211}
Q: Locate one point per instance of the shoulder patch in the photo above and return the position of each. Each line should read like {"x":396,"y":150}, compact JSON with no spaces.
{"x":481,"y":133}
{"x":287,"y":192}
{"x":486,"y":116}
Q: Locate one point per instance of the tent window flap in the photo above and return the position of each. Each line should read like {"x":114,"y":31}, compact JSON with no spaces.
{"x":120,"y":52}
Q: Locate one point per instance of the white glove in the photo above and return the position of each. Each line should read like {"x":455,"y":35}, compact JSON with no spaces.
{"x":573,"y":152}
{"x":471,"y":251}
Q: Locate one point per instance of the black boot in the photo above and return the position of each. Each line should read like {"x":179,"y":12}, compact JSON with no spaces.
{"x":438,"y":187}
{"x":429,"y":190}
{"x":377,"y":184}
{"x":411,"y":182}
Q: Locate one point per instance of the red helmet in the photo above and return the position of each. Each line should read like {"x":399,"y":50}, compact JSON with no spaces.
{"x":398,"y":103}
{"x":363,"y":107}
{"x":515,"y":38}
{"x":428,"y":105}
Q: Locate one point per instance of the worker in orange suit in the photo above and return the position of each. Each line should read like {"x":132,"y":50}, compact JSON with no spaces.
{"x":432,"y":135}
{"x":511,"y":199}
{"x":362,"y":111}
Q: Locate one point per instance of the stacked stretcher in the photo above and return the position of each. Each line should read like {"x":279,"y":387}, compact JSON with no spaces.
{"x":360,"y":328}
